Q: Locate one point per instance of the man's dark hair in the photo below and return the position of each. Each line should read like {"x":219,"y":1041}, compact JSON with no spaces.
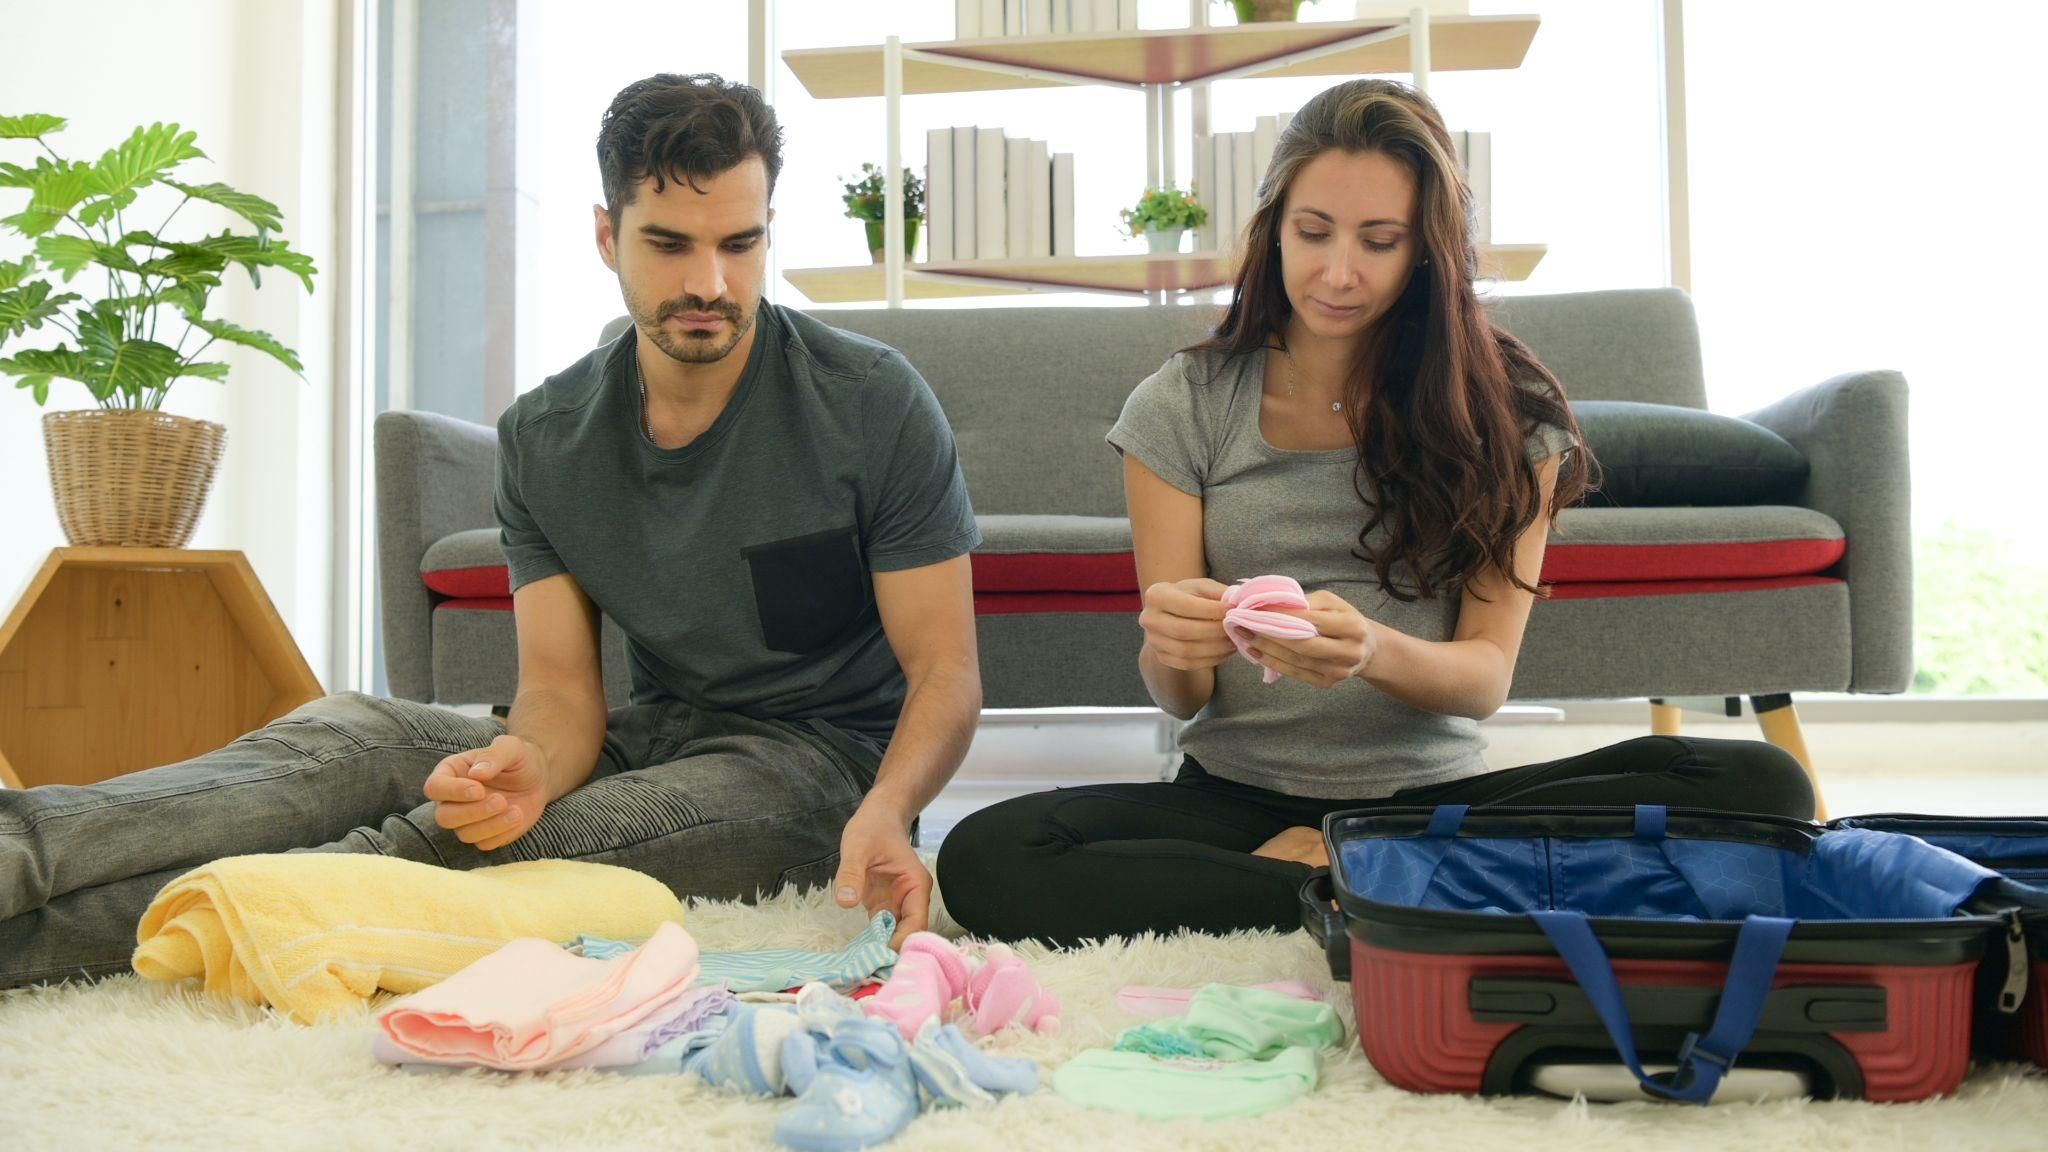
{"x":683,"y":128}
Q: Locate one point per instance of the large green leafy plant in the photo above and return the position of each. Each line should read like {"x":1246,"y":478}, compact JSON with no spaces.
{"x":124,"y":351}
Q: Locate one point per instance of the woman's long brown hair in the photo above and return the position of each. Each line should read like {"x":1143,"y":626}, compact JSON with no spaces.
{"x":1433,"y":399}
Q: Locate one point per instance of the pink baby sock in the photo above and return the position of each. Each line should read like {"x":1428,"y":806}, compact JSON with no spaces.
{"x":1251,"y":614}
{"x":930,"y":974}
{"x":1002,"y":992}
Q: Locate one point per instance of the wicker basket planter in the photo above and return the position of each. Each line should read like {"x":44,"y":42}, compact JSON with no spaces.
{"x":129,"y":478}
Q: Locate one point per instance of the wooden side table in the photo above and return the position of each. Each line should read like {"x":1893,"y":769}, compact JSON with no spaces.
{"x":118,"y":659}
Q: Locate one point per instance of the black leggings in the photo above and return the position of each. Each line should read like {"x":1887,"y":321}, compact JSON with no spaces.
{"x":1118,"y":859}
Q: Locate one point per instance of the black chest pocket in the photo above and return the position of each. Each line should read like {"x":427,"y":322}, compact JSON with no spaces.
{"x":808,"y":590}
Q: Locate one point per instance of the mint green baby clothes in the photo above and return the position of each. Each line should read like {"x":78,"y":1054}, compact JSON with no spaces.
{"x":1227,"y":1022}
{"x":1237,"y":1052}
{"x":1172,"y":1087}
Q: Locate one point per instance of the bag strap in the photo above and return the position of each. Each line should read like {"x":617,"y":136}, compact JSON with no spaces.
{"x":1702,"y":1060}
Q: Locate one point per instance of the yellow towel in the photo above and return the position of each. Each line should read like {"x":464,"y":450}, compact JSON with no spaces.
{"x":320,"y":933}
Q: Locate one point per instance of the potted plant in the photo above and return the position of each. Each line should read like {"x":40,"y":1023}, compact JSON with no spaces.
{"x":866,"y":201}
{"x":125,"y":472}
{"x":1162,"y":215}
{"x":1265,"y":11}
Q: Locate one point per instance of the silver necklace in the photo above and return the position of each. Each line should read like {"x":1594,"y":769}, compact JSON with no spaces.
{"x":1335,"y":405}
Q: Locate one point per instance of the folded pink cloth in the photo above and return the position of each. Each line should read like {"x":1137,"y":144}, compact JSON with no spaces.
{"x":1251,"y":614}
{"x":1153,"y":1003}
{"x":531,"y":1005}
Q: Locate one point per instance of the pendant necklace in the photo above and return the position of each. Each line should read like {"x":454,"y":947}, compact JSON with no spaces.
{"x":1335,"y":405}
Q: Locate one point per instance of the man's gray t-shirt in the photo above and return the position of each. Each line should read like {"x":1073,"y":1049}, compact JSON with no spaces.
{"x":1266,"y":510}
{"x":739,"y":565}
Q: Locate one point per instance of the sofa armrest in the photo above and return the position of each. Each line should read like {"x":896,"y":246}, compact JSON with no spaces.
{"x":1853,"y":431}
{"x":435,"y":475}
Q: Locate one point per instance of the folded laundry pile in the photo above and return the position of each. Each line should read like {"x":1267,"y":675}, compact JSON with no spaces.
{"x":316,"y":933}
{"x":1237,"y":1052}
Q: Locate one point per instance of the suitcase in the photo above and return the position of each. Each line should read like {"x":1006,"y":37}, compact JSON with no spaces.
{"x":1488,"y":948}
{"x":2012,"y":1006}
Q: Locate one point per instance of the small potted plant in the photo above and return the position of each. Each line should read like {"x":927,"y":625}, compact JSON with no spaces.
{"x":866,"y":201}
{"x":1265,"y":11}
{"x":125,"y":472}
{"x":1162,"y":215}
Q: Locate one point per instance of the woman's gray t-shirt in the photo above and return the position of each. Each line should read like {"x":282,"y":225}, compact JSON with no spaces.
{"x":1268,"y":510}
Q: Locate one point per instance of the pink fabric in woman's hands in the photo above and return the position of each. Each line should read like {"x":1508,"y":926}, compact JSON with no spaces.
{"x":1251,"y":614}
{"x":930,"y":974}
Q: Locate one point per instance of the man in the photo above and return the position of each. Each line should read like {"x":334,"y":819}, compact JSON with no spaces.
{"x":770,"y":509}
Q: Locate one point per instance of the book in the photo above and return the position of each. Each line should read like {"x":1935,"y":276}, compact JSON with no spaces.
{"x":963,"y":193}
{"x":966,"y":19}
{"x":991,"y":17}
{"x":1245,"y":198}
{"x":1265,"y":134}
{"x":1013,"y":17}
{"x":1017,"y":196}
{"x":991,"y":219}
{"x":1038,"y":17}
{"x":1063,"y":204}
{"x":1203,"y":187}
{"x":938,"y":195}
{"x":1081,"y":15}
{"x":1479,"y":175}
{"x":1104,"y":16}
{"x":1127,"y":15}
{"x":1062,"y":17}
{"x":1223,"y":182}
{"x":1038,"y":177}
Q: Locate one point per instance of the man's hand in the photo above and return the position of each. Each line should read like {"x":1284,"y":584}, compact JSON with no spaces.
{"x":490,"y":796}
{"x":879,"y":869}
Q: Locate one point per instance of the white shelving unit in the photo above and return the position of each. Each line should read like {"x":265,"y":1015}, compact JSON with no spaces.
{"x":1159,"y":63}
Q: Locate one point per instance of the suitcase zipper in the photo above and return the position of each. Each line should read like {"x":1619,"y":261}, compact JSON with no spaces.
{"x":2015,"y":989}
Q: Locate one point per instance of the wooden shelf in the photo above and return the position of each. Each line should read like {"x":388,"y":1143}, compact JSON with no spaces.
{"x":1134,"y":274}
{"x":117,"y":659}
{"x":1163,"y":56}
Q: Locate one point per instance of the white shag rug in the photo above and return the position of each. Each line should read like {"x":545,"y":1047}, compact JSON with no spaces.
{"x":126,"y":1064}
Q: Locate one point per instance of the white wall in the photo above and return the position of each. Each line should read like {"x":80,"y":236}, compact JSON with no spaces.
{"x":256,"y":79}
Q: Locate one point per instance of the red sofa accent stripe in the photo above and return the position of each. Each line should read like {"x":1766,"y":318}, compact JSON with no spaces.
{"x":490,"y":582}
{"x":1038,"y":572}
{"x":1755,"y":560}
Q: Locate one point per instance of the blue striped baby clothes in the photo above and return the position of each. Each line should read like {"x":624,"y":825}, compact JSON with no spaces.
{"x":868,"y":957}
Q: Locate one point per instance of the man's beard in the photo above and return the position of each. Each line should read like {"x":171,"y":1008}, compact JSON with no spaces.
{"x":692,"y":347}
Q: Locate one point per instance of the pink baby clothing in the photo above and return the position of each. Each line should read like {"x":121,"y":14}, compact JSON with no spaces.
{"x":1252,"y":603}
{"x":1154,"y":1003}
{"x":531,"y":1005}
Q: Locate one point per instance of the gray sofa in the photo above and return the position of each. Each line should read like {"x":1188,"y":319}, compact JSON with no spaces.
{"x":1810,"y":595}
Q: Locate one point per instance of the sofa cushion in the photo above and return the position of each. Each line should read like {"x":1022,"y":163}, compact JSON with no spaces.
{"x":1040,"y":554}
{"x":1032,"y":564}
{"x":467,"y":565}
{"x":1651,"y":545}
{"x":1660,"y":455}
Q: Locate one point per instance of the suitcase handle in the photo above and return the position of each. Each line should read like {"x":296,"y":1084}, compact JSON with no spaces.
{"x":1324,"y":924}
{"x":1807,"y":1008}
{"x":1702,"y":1060}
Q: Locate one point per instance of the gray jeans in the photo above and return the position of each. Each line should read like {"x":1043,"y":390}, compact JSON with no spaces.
{"x":709,"y":803}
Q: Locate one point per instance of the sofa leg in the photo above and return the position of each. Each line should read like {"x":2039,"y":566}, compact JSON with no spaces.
{"x":1780,"y":724}
{"x":1665,"y":719}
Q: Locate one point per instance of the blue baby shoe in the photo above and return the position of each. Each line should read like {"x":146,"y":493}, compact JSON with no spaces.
{"x":862,"y":1093}
{"x":747,"y":1056}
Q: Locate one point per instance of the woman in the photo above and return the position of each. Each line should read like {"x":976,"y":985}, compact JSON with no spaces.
{"x":1359,"y":424}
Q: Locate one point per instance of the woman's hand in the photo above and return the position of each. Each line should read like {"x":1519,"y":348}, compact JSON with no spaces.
{"x":1344,"y":644}
{"x":1183,"y":623}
